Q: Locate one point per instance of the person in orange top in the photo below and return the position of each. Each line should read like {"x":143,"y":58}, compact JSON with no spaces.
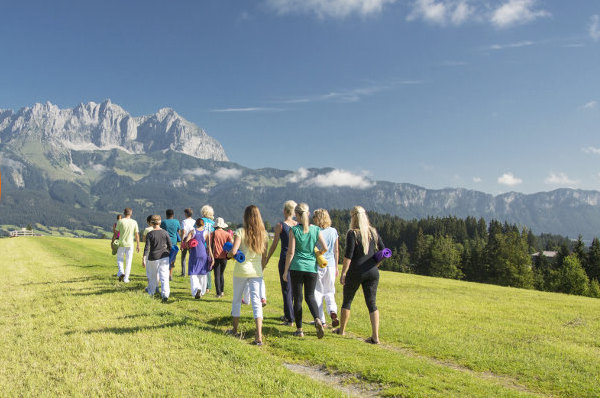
{"x":220,"y":237}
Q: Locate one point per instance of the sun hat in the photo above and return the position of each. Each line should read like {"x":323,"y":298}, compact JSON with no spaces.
{"x":220,"y":223}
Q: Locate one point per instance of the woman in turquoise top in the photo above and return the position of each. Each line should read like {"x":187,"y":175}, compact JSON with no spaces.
{"x":302,"y":265}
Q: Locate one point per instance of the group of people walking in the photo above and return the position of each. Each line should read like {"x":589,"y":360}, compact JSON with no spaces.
{"x":308,"y":262}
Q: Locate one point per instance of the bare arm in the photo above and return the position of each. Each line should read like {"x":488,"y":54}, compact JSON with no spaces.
{"x":336,"y":254}
{"x":265,"y":257}
{"x":290,"y":255}
{"x":137,"y":242}
{"x":210,"y":252}
{"x":275,"y":241}
{"x":345,"y":270}
{"x":322,"y":243}
{"x":190,"y":235}
{"x":236,"y":245}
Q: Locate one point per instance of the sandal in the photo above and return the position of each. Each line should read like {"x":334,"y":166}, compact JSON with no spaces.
{"x":298,"y":333}
{"x":337,"y":331}
{"x":335,"y":322}
{"x":371,"y":340}
{"x":231,"y":332}
{"x":319,"y":327}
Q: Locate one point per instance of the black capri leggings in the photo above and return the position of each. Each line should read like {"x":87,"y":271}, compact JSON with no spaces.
{"x":369,"y":281}
{"x":309,"y":280}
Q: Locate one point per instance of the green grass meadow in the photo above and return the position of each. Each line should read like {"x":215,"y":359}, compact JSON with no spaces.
{"x":70,"y":329}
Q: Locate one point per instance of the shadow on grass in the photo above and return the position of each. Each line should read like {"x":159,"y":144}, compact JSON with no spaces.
{"x":74,"y":280}
{"x":133,"y":329}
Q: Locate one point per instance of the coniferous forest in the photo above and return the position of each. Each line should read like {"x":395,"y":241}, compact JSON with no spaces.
{"x":488,"y":252}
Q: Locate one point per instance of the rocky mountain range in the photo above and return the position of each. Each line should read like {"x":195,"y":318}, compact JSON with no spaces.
{"x":77,"y":168}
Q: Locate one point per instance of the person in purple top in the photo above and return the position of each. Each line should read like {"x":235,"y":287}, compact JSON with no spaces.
{"x":201,"y":259}
{"x":282,"y":232}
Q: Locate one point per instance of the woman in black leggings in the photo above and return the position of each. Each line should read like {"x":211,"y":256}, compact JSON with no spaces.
{"x":360,"y":269}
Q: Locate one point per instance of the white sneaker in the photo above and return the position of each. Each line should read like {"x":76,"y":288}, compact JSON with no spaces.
{"x":126,"y":280}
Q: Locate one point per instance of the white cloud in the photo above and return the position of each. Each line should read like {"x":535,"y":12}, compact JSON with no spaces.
{"x":590,"y":105}
{"x":518,"y":44}
{"x":224,"y":173}
{"x":516,"y":12}
{"x":341,"y":178}
{"x":560,"y":179}
{"x":461,"y":13}
{"x":477,"y":180}
{"x":13,"y":164}
{"x":328,"y":8}
{"x":195,"y":172}
{"x":591,"y":150}
{"x":300,"y":175}
{"x":429,"y":10}
{"x":249,"y":109}
{"x":352,"y":95}
{"x":509,"y":179}
{"x":99,"y":168}
{"x":594,"y":27}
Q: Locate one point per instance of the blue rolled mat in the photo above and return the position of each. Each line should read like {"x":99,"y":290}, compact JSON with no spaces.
{"x":240,"y":257}
{"x":381,"y":254}
{"x":227,"y":246}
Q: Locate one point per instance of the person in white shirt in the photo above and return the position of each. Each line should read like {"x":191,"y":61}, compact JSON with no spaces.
{"x":187,"y":225}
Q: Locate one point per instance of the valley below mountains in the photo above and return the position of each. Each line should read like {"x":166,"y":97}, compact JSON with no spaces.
{"x":77,"y":168}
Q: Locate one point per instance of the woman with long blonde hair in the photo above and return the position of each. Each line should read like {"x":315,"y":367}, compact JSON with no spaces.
{"x":282,"y":232}
{"x":361,"y":269}
{"x":301,"y":263}
{"x":253,"y":241}
{"x":325,"y":288}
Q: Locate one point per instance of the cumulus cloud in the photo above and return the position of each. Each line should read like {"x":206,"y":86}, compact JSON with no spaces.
{"x":328,"y":8}
{"x":591,"y":150}
{"x":509,"y":179}
{"x":477,"y":180}
{"x":340,"y":178}
{"x":224,"y":173}
{"x":594,"y":27}
{"x":300,"y":175}
{"x":196,"y":172}
{"x":590,"y":105}
{"x":517,"y":12}
{"x":13,"y":164}
{"x":441,"y":11}
{"x":560,"y":179}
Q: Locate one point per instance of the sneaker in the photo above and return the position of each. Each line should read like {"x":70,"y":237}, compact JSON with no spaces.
{"x":170,"y":278}
{"x":264,"y":302}
{"x":165,"y":299}
{"x":121,"y":277}
{"x":125,"y":280}
{"x":198,"y":294}
{"x":298,"y":333}
{"x":319,"y":327}
{"x":335,"y":322}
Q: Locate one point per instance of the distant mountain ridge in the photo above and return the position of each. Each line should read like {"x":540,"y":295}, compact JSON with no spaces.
{"x":106,"y":126}
{"x":77,"y":167}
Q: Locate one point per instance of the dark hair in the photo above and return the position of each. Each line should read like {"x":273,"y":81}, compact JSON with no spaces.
{"x":127,"y":211}
{"x":119,"y":216}
{"x":170,"y":213}
{"x":149,"y":218}
{"x":188,"y":212}
{"x":199,"y":222}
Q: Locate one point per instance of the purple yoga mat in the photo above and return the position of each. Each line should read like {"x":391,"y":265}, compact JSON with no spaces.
{"x":381,"y":254}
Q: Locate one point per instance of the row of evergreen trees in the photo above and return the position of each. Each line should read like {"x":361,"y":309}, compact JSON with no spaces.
{"x":472,"y":249}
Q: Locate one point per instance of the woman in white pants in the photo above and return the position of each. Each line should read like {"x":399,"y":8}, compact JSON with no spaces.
{"x":253,"y":241}
{"x":325,"y":287}
{"x":156,"y":258}
{"x":201,"y":258}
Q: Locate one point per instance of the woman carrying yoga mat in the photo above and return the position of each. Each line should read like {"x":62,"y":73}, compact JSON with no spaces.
{"x":252,"y":239}
{"x":201,"y":259}
{"x":361,"y":269}
{"x":302,"y":264}
{"x":282,"y":232}
{"x":325,"y":288}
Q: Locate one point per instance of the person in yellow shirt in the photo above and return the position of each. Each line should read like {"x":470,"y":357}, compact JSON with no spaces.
{"x":127,"y":229}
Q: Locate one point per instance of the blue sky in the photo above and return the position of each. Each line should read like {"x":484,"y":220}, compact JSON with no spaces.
{"x":492,"y":95}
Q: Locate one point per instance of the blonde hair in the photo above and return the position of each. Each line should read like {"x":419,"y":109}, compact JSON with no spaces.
{"x":288,"y":208}
{"x":155,"y":219}
{"x":302,"y":214}
{"x":359,"y":222}
{"x":321,"y":218}
{"x":254,"y":230}
{"x":207,"y":211}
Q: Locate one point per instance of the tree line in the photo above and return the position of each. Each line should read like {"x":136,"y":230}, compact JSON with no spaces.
{"x":488,"y":252}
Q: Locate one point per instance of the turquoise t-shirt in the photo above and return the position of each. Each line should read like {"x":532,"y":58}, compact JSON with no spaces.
{"x":172,"y":227}
{"x":304,"y":254}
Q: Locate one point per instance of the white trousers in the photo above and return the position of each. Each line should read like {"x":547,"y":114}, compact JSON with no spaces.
{"x":124,"y":256}
{"x":158,"y":270}
{"x":239,"y":285}
{"x":325,"y":289}
{"x":198,"y":282}
{"x":263,"y":293}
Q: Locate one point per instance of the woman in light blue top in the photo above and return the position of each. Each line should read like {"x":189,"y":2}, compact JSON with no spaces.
{"x":325,"y":287}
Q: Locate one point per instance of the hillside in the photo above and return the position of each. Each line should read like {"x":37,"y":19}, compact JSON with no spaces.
{"x":76,"y":168}
{"x":66,"y":317}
